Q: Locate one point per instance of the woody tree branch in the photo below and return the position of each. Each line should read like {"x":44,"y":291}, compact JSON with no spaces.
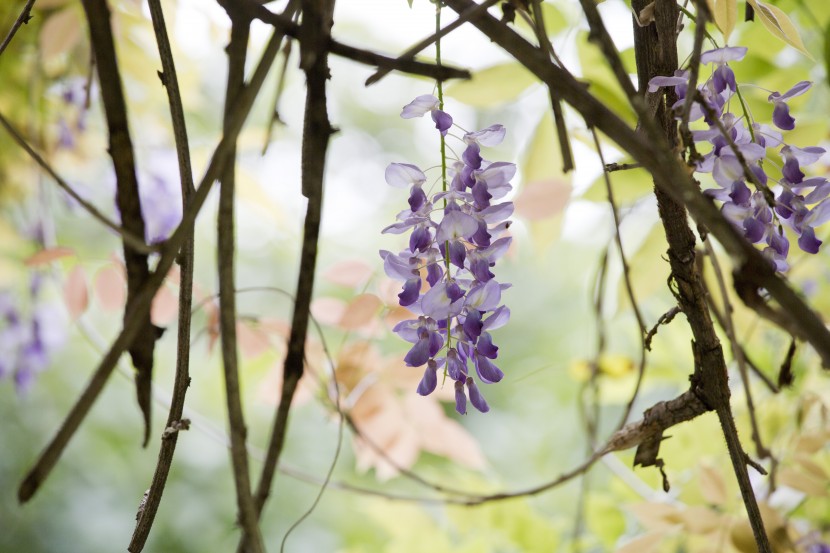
{"x":127,"y":197}
{"x":655,"y":47}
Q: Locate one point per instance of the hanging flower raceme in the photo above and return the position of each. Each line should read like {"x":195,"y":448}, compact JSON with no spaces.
{"x":455,"y":239}
{"x":740,"y":168}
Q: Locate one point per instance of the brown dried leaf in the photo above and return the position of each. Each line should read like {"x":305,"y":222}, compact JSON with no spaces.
{"x":712,"y":485}
{"x":646,"y":543}
{"x":48,"y":255}
{"x":803,"y":482}
{"x":657,"y":516}
{"x":60,"y":33}
{"x":76,"y":292}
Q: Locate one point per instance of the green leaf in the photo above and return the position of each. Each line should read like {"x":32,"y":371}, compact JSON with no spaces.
{"x":603,"y":83}
{"x":493,"y":86}
{"x":628,"y":186}
{"x":779,"y":24}
{"x":827,"y":53}
{"x":725,"y":13}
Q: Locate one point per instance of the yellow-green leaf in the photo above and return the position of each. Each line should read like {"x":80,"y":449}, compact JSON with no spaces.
{"x":725,"y":13}
{"x":493,"y":86}
{"x":779,"y":24}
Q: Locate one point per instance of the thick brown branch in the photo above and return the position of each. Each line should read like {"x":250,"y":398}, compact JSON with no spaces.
{"x":226,"y":253}
{"x":655,"y":47}
{"x":314,"y":43}
{"x":127,"y":197}
{"x":182,"y":379}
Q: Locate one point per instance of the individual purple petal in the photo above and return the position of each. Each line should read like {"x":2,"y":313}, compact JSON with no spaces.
{"x":724,"y":78}
{"x":805,"y":156}
{"x":430,"y":379}
{"x":437,"y":304}
{"x":456,"y":367}
{"x":417,"y":198}
{"x":411,"y":292}
{"x":436,"y":342}
{"x":821,"y":191}
{"x":767,"y":136}
{"x":454,"y":291}
{"x":727,"y":169}
{"x":395,"y":266}
{"x":497,"y":318}
{"x":723,"y":55}
{"x":481,"y":195}
{"x":781,"y":117}
{"x":458,"y":253}
{"x":740,"y":193}
{"x":419,"y":354}
{"x":791,"y":170}
{"x":498,"y":248}
{"x":485,"y":346}
{"x":419,"y":106}
{"x":443,"y":121}
{"x":472,"y":324}
{"x":798,"y":89}
{"x":420,"y":239}
{"x":808,"y":241}
{"x":487,"y":371}
{"x":484,"y":297}
{"x":475,"y":396}
{"x":656,"y":82}
{"x":472,"y":157}
{"x":497,"y":213}
{"x":481,"y":237}
{"x":480,"y":267}
{"x":497,"y":174}
{"x":460,"y":398}
{"x":408,"y":330}
{"x":491,"y":136}
{"x":434,"y":273}
{"x":819,"y":215}
{"x":778,"y":242}
{"x":404,"y":175}
{"x":754,"y":230}
{"x":455,"y":225}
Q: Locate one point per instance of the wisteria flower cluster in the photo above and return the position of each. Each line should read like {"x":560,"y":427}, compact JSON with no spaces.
{"x":762,"y":211}
{"x":455,"y":238}
{"x":28,"y":340}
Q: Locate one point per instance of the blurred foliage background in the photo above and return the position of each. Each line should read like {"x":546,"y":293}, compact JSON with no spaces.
{"x":62,"y":269}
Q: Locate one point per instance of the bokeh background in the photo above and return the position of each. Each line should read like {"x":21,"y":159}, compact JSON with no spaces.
{"x":60,"y":268}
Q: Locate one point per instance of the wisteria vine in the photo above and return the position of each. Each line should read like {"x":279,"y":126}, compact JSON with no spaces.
{"x":796,"y":202}
{"x":453,"y":255}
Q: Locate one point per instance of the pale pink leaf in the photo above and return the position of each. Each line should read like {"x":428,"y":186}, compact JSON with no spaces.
{"x":351,"y":273}
{"x":76,"y":292}
{"x":165,"y":307}
{"x":328,"y":311}
{"x":111,"y":287}
{"x":360,"y":311}
{"x":542,"y":199}
{"x":48,"y":255}
{"x":252,"y":341}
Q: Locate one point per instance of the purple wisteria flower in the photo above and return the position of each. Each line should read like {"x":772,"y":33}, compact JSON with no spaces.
{"x":28,"y":340}
{"x":759,"y":205}
{"x":455,"y":238}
